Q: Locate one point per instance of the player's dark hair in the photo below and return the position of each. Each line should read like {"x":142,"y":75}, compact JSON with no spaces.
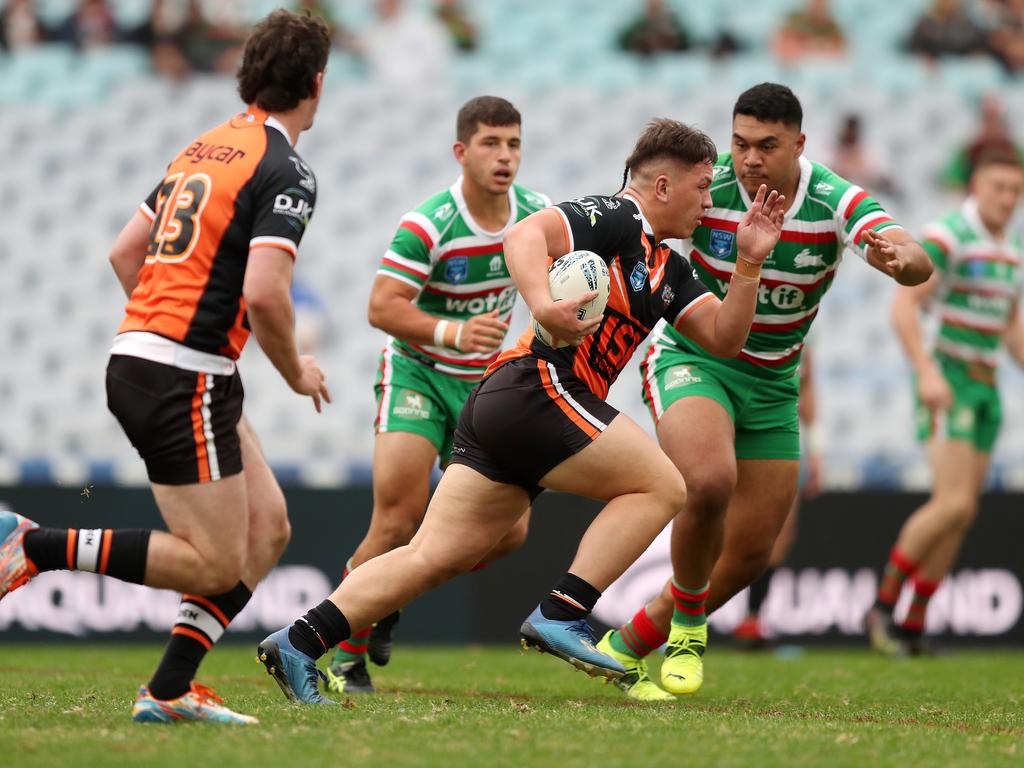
{"x":669,"y":138}
{"x":282,"y":57}
{"x":997,"y":154}
{"x":770,"y":103}
{"x":486,"y":110}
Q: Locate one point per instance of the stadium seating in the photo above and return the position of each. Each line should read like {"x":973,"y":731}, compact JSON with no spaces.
{"x":87,"y":137}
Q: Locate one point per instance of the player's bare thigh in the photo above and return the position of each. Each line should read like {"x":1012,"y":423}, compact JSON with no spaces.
{"x":468,"y":514}
{"x":622,"y":459}
{"x":699,"y":437}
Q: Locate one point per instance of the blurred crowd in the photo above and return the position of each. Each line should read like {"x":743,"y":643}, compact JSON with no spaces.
{"x":407,"y":43}
{"x":415,"y":41}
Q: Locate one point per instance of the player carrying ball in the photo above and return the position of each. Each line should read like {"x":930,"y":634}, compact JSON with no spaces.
{"x":741,"y":409}
{"x":539,"y":420}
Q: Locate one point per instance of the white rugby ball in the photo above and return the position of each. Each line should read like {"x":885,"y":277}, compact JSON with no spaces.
{"x":570,"y":277}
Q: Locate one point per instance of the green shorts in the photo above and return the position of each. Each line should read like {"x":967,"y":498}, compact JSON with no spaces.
{"x":762,"y":410}
{"x":413,"y":397}
{"x":976,"y":415}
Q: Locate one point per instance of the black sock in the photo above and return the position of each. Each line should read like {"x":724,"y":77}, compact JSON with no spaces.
{"x":320,"y":629}
{"x":572,"y":598}
{"x":201,"y":622}
{"x":121,"y":554}
{"x":759,"y":590}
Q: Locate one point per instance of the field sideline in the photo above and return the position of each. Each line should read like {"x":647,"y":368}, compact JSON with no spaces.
{"x":70,"y":704}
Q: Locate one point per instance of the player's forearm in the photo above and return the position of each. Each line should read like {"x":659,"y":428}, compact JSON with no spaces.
{"x":908,"y":330}
{"x":399,"y":317}
{"x":272,"y":320}
{"x":526,"y":255}
{"x":919,"y":267}
{"x":127,"y":274}
{"x":734,"y":316}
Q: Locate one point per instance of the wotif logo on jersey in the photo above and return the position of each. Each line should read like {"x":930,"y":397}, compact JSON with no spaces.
{"x":721,"y":242}
{"x":503,"y":301}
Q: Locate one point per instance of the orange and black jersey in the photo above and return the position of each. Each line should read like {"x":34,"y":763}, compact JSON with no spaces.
{"x":649,"y":281}
{"x":236,"y":187}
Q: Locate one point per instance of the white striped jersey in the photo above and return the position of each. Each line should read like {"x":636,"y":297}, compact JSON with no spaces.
{"x":981,"y":282}
{"x":458,"y":268}
{"x":828,"y":216}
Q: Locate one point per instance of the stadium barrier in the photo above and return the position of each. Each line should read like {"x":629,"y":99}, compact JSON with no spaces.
{"x":818,"y":597}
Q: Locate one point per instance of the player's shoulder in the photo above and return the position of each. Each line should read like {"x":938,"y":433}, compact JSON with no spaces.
{"x":440,"y":208}
{"x":826,"y":186}
{"x":953,"y":224}
{"x":602,"y":210}
{"x":283,"y":162}
{"x":530,"y":199}
{"x":723,"y":172}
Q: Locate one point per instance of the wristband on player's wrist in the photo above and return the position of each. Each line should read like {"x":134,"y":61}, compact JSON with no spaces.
{"x":439,"y":333}
{"x":747,"y":269}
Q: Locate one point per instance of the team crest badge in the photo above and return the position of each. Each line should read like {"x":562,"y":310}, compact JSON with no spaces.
{"x":721,"y":242}
{"x":456,"y":270}
{"x":638,"y":277}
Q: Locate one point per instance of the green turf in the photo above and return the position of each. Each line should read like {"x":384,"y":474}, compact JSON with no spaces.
{"x":69,"y":705}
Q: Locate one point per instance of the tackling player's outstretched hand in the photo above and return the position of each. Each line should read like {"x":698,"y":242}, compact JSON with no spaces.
{"x":759,"y":230}
{"x":482,"y":333}
{"x":885,"y":251}
{"x":559,"y":318}
{"x":311,"y":381}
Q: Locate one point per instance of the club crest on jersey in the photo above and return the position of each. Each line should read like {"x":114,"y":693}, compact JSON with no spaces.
{"x":721,"y":242}
{"x":308,"y":180}
{"x":638,"y":277}
{"x":667,"y":294}
{"x":456,"y":270}
{"x":611,"y":203}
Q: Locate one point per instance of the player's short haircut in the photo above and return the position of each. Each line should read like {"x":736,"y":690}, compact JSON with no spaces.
{"x":999,"y":154}
{"x":485,"y":110}
{"x":770,"y":103}
{"x":670,"y":138}
{"x":282,"y":57}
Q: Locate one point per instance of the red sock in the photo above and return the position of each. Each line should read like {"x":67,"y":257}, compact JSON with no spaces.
{"x":923,"y":591}
{"x":897,"y":570}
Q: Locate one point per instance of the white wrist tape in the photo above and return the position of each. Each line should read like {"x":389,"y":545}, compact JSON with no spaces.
{"x":458,"y":336}
{"x":439,"y":329}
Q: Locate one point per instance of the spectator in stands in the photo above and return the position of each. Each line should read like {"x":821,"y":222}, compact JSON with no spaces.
{"x":1006,"y":38}
{"x":947,"y":30}
{"x":20,"y":26}
{"x":460,"y":26}
{"x":993,"y":135}
{"x":341,"y":36}
{"x":406,"y":48}
{"x":655,"y":30}
{"x":91,"y":25}
{"x":809,"y":32}
{"x":853,"y":161}
{"x":182,"y":40}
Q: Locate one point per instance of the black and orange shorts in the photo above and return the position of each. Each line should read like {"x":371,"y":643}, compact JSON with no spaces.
{"x":524,"y":420}
{"x":184,"y":424}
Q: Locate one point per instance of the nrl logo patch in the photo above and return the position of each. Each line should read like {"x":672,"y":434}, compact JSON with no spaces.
{"x":638,"y":277}
{"x":456,"y":270}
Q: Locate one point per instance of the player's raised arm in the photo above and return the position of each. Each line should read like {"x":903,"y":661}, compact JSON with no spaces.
{"x":267,"y":292}
{"x":529,"y":248}
{"x":721,"y":327}
{"x":906,"y":306}
{"x":898,"y":255}
{"x":129,"y":251}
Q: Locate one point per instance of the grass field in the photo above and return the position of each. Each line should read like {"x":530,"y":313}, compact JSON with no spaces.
{"x":69,"y":705}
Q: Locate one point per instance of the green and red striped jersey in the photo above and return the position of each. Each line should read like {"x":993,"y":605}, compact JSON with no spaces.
{"x":828,"y":216}
{"x":457,"y":267}
{"x":980,"y":283}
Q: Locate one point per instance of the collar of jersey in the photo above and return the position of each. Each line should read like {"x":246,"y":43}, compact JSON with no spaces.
{"x":970,"y":212}
{"x":460,"y":203}
{"x":648,"y":229}
{"x":801,"y":189}
{"x":254,"y":114}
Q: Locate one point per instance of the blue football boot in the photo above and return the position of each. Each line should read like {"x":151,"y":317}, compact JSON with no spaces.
{"x":293,"y":670}
{"x":571,"y":641}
